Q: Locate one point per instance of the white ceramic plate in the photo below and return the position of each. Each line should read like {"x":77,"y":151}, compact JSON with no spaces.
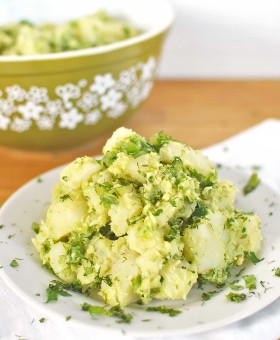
{"x":30,"y":280}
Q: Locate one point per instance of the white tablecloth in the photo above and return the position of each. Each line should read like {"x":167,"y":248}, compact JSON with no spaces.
{"x":256,"y":146}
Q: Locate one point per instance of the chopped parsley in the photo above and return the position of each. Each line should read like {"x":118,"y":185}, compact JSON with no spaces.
{"x":252,"y":184}
{"x":107,"y":280}
{"x":1,"y":226}
{"x":59,"y":288}
{"x":53,"y":293}
{"x":107,"y":232}
{"x":108,"y":199}
{"x":234,"y":297}
{"x":263,"y":285}
{"x":155,"y":196}
{"x":240,"y":272}
{"x":158,"y":212}
{"x":109,"y":158}
{"x":42,"y":320}
{"x":234,"y":286}
{"x":250,"y":281}
{"x":137,"y":146}
{"x":14,"y":263}
{"x":277,"y":271}
{"x":252,"y":257}
{"x":164,"y":310}
{"x":68,"y":317}
{"x":159,"y":140}
{"x":64,"y":198}
{"x":200,"y":282}
{"x":35,"y":227}
{"x":115,"y":311}
{"x":39,"y":180}
{"x":199,"y":212}
{"x":207,"y":296}
{"x":75,"y":253}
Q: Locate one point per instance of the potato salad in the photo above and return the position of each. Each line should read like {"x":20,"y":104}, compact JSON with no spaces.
{"x":144,"y":222}
{"x":26,"y":38}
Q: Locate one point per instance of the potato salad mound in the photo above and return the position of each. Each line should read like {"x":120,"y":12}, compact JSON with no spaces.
{"x":144,"y":222}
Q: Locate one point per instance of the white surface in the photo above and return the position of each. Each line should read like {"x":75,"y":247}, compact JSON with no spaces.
{"x":18,"y":318}
{"x":220,"y":39}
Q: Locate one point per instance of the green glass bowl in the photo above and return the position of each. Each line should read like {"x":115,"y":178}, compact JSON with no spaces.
{"x":61,"y":100}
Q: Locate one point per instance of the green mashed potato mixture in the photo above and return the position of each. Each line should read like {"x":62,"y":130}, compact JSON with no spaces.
{"x":144,"y":222}
{"x":25,"y":38}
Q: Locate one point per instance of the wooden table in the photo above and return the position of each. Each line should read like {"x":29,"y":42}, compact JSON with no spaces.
{"x":199,"y":113}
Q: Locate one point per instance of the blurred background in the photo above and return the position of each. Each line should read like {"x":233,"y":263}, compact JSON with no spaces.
{"x":223,"y":39}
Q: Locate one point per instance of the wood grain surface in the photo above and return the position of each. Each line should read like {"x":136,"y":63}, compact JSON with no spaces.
{"x":199,"y":113}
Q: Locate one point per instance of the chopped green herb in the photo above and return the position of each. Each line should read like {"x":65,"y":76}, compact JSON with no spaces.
{"x":107,"y":232}
{"x":64,"y":197}
{"x":207,"y":296}
{"x":109,"y":158}
{"x":250,"y":281}
{"x":115,"y":311}
{"x":35,"y":227}
{"x":164,"y":310}
{"x":14,"y":263}
{"x":155,"y":196}
{"x":159,"y":140}
{"x":39,"y":180}
{"x":137,"y":281}
{"x":107,"y":280}
{"x":146,"y":320}
{"x":199,"y":212}
{"x":1,"y":226}
{"x":68,"y":317}
{"x":234,"y":297}
{"x":240,"y":272}
{"x":108,"y":199}
{"x":136,"y":146}
{"x":10,"y":236}
{"x":263,"y":285}
{"x":251,"y":256}
{"x":200,"y":282}
{"x":158,"y":212}
{"x":252,"y":184}
{"x":55,"y":289}
{"x":42,"y":320}
{"x":173,"y":203}
{"x":65,"y":178}
{"x":277,"y":271}
{"x":234,"y":286}
{"x":75,"y":253}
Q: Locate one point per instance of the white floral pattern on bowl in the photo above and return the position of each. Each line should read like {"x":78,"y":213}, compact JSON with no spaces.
{"x":82,"y":103}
